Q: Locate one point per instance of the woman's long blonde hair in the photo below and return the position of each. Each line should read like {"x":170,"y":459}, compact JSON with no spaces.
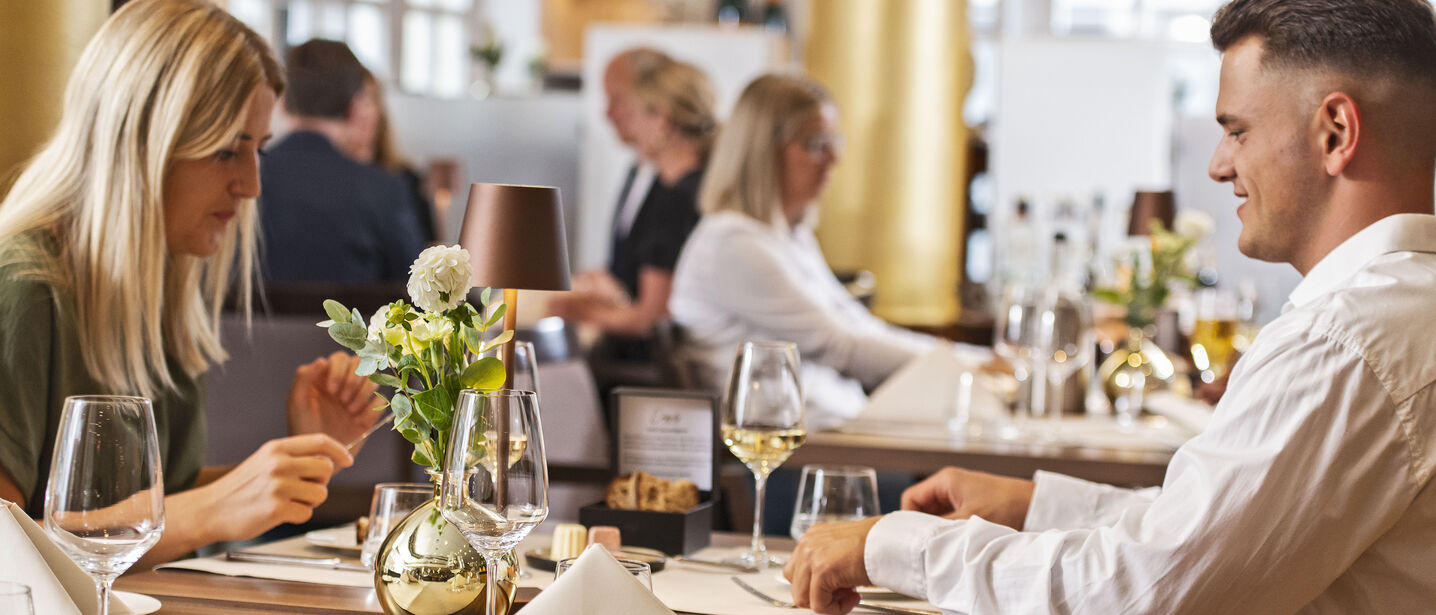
{"x":163,"y":80}
{"x":745,"y":172}
{"x":682,"y":92}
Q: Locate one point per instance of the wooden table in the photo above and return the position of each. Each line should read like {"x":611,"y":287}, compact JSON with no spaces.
{"x":196,"y":593}
{"x":890,"y":453}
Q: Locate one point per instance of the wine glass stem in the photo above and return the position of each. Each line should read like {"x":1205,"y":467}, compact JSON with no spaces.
{"x":760,"y":551}
{"x":103,"y":584}
{"x":491,"y":589}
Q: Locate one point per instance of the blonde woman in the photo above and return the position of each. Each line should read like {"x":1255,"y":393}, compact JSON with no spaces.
{"x":672,"y":127}
{"x":117,"y":245}
{"x":752,"y":268}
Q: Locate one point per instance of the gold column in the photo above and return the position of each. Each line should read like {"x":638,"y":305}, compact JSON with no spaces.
{"x":41,"y":40}
{"x":899,"y":70}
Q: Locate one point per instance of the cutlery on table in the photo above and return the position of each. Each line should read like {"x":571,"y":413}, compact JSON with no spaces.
{"x":723,"y":565}
{"x":784,"y":604}
{"x":354,"y":446}
{"x":332,"y":563}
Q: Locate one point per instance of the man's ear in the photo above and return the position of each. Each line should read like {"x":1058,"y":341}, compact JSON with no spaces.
{"x":1338,"y":124}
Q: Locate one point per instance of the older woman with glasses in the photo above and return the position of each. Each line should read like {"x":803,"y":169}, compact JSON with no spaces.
{"x":752,"y":268}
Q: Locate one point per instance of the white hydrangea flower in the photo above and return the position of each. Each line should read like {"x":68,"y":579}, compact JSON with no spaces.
{"x":440,"y":278}
{"x":1195,"y":225}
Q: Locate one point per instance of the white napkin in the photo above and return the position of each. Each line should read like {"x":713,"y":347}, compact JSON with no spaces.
{"x":57,"y":585}
{"x":1192,"y":414}
{"x":596,"y":585}
{"x":925,"y":391}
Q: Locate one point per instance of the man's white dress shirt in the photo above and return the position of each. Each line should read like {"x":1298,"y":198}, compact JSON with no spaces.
{"x":739,"y":279}
{"x":1310,"y":492}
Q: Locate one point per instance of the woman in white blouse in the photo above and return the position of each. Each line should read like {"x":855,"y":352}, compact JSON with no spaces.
{"x":752,"y":269}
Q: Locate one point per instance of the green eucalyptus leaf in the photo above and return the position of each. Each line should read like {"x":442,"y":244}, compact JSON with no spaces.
{"x":484,"y":296}
{"x":498,"y":313}
{"x":349,"y":335}
{"x":367,"y":367}
{"x":325,"y":323}
{"x":403,"y":409}
{"x":358,"y":318}
{"x":436,"y":406}
{"x":473,"y":340}
{"x":420,"y":457}
{"x":485,"y":373}
{"x":386,"y":380}
{"x":500,"y":340}
{"x":336,"y":311}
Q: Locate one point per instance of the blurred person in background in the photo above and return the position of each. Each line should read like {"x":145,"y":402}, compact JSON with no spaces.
{"x":382,"y":151}
{"x":671,"y":124}
{"x":326,"y":216}
{"x":118,"y":244}
{"x":752,"y":269}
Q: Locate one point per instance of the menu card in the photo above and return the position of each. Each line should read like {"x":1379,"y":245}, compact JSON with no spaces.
{"x":667,"y":433}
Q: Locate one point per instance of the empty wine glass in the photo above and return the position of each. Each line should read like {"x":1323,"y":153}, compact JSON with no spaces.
{"x":495,"y":504}
{"x":763,"y":423}
{"x":1014,"y":340}
{"x":1066,"y":341}
{"x":15,"y":599}
{"x":834,"y":494}
{"x":105,"y":502}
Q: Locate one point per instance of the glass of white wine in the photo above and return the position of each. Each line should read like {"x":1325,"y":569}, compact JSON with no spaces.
{"x":1213,"y":338}
{"x":494,"y":503}
{"x":763,"y":423}
{"x":105,"y":501}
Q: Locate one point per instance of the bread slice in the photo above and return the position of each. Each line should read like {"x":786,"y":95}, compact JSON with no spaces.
{"x":652,"y":492}
{"x":623,"y":492}
{"x":682,"y":495}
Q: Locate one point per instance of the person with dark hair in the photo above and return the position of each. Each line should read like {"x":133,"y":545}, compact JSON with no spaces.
{"x":326,"y":216}
{"x":1311,"y":490}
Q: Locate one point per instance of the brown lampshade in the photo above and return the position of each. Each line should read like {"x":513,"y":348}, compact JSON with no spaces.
{"x":515,"y":237}
{"x":1149,"y":206}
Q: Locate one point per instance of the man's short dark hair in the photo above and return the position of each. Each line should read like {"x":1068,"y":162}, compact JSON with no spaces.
{"x":1391,"y":38}
{"x":323,"y":77}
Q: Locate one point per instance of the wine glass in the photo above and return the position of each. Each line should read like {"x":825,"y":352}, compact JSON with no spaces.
{"x":1015,"y":339}
{"x":763,"y":423}
{"x":834,"y":494}
{"x":15,"y":599}
{"x":105,"y":502}
{"x":1066,"y":341}
{"x":495,"y":502}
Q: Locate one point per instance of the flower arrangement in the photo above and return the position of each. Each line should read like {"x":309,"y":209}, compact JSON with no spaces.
{"x":1145,"y":278}
{"x":429,"y":354}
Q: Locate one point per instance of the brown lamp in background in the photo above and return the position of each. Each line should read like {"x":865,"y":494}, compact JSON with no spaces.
{"x":1149,"y":206}
{"x":515,"y":239}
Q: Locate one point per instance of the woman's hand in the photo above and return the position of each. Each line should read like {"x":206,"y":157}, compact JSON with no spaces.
{"x":281,"y":482}
{"x":326,"y":397}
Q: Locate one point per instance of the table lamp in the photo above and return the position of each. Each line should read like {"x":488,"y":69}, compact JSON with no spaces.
{"x":1148,"y":206}
{"x":515,"y":239}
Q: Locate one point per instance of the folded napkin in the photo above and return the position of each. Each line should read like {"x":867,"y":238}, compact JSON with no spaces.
{"x":57,"y":585}
{"x":925,"y":390}
{"x":596,"y":585}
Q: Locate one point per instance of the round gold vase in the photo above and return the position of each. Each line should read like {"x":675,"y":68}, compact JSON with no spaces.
{"x":426,"y":567}
{"x":1139,"y":360}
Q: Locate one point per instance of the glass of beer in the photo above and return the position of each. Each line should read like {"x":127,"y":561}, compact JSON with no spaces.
{"x":1216,"y":328}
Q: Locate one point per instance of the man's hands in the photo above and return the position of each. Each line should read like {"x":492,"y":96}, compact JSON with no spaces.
{"x":281,"y":482}
{"x":827,"y":566}
{"x":955,"y":493}
{"x":326,"y":397}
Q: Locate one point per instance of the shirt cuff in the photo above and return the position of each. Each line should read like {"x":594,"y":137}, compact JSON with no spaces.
{"x":894,"y":552}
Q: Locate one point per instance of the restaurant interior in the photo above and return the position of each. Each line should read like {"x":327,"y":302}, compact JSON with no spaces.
{"x":994,"y":163}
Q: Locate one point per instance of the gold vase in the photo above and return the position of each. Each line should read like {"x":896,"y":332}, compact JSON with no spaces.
{"x":1139,"y":362}
{"x":426,"y":567}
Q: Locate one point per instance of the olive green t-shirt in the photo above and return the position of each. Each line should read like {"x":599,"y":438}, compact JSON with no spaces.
{"x":41,"y":363}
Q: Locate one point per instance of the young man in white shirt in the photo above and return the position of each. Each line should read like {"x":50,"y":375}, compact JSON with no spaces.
{"x":1311,"y":490}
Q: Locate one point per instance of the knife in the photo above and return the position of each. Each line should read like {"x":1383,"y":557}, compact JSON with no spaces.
{"x":332,"y":563}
